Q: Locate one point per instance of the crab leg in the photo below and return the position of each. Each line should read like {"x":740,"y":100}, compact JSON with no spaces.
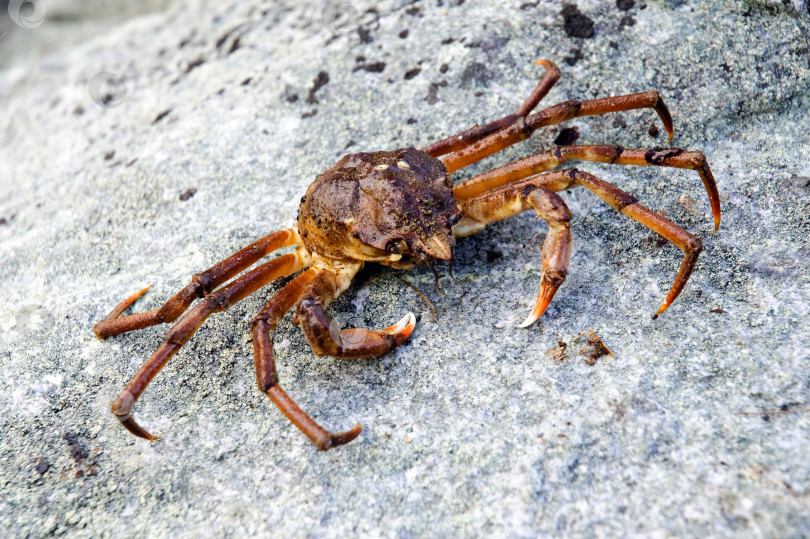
{"x":477,"y":132}
{"x":506,"y":202}
{"x":201,"y":285}
{"x":524,"y":127}
{"x":266,"y":375}
{"x":616,"y":155}
{"x":321,"y":331}
{"x":182,"y":331}
{"x":625,"y":204}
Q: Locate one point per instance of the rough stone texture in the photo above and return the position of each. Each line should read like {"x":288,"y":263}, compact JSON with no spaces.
{"x":471,"y":427}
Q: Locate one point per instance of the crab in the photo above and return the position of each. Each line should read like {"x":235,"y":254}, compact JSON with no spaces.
{"x":400,"y":208}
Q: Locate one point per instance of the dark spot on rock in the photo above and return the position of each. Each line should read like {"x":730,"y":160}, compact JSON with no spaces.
{"x":365,"y":34}
{"x":654,"y":131}
{"x":374,"y":67}
{"x":310,"y":114}
{"x":619,"y":122}
{"x":613,"y":45}
{"x":624,"y":5}
{"x":109,"y":155}
{"x":320,"y":81}
{"x":493,"y":256}
{"x":290,"y":95}
{"x":360,"y":59}
{"x":161,"y":115}
{"x":78,"y":111}
{"x":443,"y":68}
{"x":448,"y":40}
{"x":3,"y":221}
{"x":576,"y":23}
{"x":567,"y":136}
{"x":411,"y":73}
{"x":194,"y":64}
{"x":403,"y":34}
{"x":187,"y":194}
{"x":246,"y":81}
{"x":627,"y":20}
{"x":529,"y":5}
{"x":718,"y":311}
{"x":77,"y":450}
{"x":574,"y":57}
{"x":475,"y":73}
{"x":347,"y":146}
{"x":412,"y":10}
{"x":42,"y":465}
{"x":410,"y":121}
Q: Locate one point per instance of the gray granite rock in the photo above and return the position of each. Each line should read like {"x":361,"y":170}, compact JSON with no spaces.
{"x":472,"y":427}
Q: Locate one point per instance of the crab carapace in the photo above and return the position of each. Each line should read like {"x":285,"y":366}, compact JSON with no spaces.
{"x":400,"y":208}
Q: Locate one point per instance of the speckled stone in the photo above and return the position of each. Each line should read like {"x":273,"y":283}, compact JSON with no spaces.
{"x":171,"y":140}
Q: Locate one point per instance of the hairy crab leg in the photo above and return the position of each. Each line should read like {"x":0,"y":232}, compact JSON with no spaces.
{"x":262,"y":328}
{"x":181,"y":332}
{"x":627,"y":205}
{"x":514,"y":199}
{"x":615,"y":155}
{"x":522,"y":129}
{"x":322,"y":332}
{"x":201,"y":284}
{"x":477,"y":132}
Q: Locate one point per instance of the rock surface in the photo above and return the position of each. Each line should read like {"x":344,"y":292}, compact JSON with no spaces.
{"x":149,"y":152}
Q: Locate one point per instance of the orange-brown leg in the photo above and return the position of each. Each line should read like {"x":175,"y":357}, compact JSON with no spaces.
{"x":201,"y":284}
{"x":513,"y":199}
{"x":266,"y":375}
{"x":524,"y":127}
{"x":477,"y":132}
{"x":627,"y":205}
{"x":182,"y":331}
{"x":616,"y":155}
{"x":322,"y":332}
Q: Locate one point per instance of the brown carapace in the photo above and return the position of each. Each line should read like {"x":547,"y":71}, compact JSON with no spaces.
{"x":400,"y":208}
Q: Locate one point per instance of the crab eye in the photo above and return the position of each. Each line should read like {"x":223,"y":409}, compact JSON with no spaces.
{"x":396,"y":246}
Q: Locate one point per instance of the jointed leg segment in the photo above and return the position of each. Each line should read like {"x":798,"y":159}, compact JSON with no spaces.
{"x":201,"y":284}
{"x":510,"y":199}
{"x":548,"y":160}
{"x":219,"y":300}
{"x":523,"y":128}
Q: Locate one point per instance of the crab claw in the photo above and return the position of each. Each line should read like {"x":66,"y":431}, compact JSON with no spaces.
{"x":548,"y":287}
{"x":402,"y":329}
{"x":122,"y":409}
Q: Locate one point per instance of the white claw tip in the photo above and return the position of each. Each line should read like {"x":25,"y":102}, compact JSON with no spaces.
{"x":407,"y":324}
{"x":529,"y":320}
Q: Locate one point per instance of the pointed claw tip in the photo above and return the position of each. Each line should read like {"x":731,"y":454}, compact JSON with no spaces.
{"x":529,"y":321}
{"x":403,"y":328}
{"x":663,"y":308}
